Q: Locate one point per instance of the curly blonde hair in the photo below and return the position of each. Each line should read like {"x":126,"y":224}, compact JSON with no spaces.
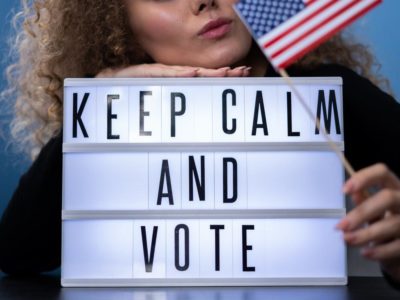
{"x":59,"y":39}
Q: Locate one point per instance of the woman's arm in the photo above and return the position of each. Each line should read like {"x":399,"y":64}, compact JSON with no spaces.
{"x":30,"y":228}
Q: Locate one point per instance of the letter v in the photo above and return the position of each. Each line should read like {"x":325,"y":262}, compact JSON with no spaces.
{"x":149,"y":261}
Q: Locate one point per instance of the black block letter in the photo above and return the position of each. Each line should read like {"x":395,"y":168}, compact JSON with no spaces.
{"x":165,"y":176}
{"x":259,"y":107}
{"x":290,"y":117}
{"x":175,"y":113}
{"x":149,"y":261}
{"x":246,"y":248}
{"x":77,"y":115}
{"x":232,"y":161}
{"x":217,"y":228}
{"x":199,"y":184}
{"x":143,"y":113}
{"x":111,"y":116}
{"x":185,"y":266}
{"x":328,"y":115}
{"x":224,"y":111}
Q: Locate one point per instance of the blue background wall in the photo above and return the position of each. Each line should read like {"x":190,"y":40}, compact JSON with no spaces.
{"x":11,"y":166}
{"x":379,"y":29}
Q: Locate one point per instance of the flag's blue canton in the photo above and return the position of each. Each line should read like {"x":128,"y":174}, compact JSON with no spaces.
{"x":264,"y":15}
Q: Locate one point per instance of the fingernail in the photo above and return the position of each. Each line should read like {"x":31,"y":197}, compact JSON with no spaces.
{"x":344,"y":224}
{"x":225,"y":68}
{"x":350,"y":237}
{"x":241,"y":68}
{"x":245,"y":73}
{"x":367,"y":252}
{"x":348,"y":186}
{"x":248,"y":68}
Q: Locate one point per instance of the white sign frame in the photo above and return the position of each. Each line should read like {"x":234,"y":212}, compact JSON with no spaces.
{"x":220,"y":145}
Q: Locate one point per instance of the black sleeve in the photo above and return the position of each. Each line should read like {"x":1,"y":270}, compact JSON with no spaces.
{"x":394,"y":284}
{"x":371,"y":123}
{"x":30,"y":228}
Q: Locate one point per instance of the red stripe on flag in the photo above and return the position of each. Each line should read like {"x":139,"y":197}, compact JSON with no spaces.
{"x":296,"y":56}
{"x":313,"y":29}
{"x":309,"y":2}
{"x":301,"y":22}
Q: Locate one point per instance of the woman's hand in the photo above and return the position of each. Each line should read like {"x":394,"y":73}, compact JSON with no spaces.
{"x":379,"y":212}
{"x":160,"y":70}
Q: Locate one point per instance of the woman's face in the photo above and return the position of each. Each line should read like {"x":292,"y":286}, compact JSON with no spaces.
{"x":199,"y":33}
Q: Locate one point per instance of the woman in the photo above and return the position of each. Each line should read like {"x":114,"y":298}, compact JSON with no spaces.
{"x":179,"y":38}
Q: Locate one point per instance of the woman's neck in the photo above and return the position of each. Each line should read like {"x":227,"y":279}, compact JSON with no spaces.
{"x":256,"y":60}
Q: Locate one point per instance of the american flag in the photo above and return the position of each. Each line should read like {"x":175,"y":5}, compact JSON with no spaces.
{"x":288,"y":29}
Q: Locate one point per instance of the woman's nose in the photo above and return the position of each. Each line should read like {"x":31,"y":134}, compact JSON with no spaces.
{"x":199,"y":6}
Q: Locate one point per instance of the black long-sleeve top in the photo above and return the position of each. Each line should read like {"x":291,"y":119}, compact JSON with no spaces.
{"x":30,"y":229}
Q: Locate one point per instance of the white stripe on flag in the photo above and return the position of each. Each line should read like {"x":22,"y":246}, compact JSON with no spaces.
{"x":292,"y":21}
{"x":321,"y":32}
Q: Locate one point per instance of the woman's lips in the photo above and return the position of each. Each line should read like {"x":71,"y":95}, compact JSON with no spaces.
{"x":216,"y":28}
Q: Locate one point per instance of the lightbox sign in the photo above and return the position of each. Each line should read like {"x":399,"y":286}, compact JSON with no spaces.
{"x":198,"y":182}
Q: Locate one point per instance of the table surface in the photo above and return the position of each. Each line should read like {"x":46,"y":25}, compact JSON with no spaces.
{"x":48,"y":287}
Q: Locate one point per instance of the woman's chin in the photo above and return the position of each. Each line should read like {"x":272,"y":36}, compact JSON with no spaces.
{"x":222,"y":61}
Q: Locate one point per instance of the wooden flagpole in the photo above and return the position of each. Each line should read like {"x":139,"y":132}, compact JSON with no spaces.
{"x":332,"y":145}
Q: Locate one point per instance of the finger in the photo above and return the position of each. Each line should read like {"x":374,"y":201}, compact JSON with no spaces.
{"x":384,"y":230}
{"x":242,"y":71}
{"x":358,"y":197}
{"x":376,"y":175}
{"x":159,"y":70}
{"x":221,"y":72}
{"x":372,"y":208}
{"x":388,"y":251}
{"x":237,"y":72}
{"x":246,"y":72}
{"x":106,"y":73}
{"x":154,"y":70}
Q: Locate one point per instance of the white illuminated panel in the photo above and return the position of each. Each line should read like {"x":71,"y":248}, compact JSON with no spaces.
{"x":184,"y":249}
{"x":217,"y":110}
{"x":97,"y":249}
{"x":289,"y":179}
{"x":201,"y":182}
{"x":304,"y":248}
{"x":105,"y":181}
{"x":231,"y":180}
